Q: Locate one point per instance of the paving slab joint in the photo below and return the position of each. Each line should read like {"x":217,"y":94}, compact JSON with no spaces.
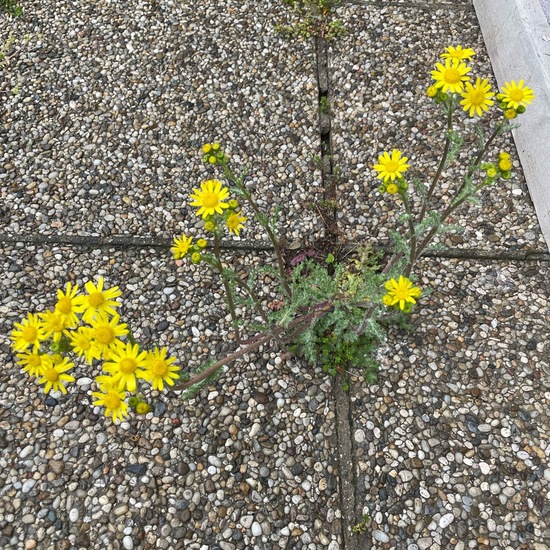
{"x":429,"y":6}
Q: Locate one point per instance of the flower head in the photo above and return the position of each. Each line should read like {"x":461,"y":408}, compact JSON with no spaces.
{"x":181,"y":247}
{"x":105,"y":331}
{"x":99,"y":300}
{"x":113,"y":401}
{"x":32,"y":363}
{"x":515,"y":94}
{"x":69,"y":304}
{"x":235,"y":222}
{"x":209,"y":198}
{"x":160,"y":370}
{"x":477,"y":97}
{"x":83,"y":344}
{"x":54,"y":375}
{"x":29,"y":332}
{"x":54,"y":324}
{"x":391,"y":166}
{"x":458,"y":52}
{"x":392,"y":189}
{"x":125,"y":365}
{"x":400,"y":293}
{"x":143,"y":408}
{"x":451,"y":76}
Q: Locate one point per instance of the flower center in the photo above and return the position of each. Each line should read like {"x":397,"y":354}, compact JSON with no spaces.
{"x":159,"y":368}
{"x":29,"y":333}
{"x":452,"y":76}
{"x":104,"y":335}
{"x":95,"y":299}
{"x":210,"y":200}
{"x":516,"y":95}
{"x":127,"y":365}
{"x":34,"y":360}
{"x":85,"y":344}
{"x":401,"y":292}
{"x":51,"y":375}
{"x":392,"y":166}
{"x":112,"y":400}
{"x":64,"y":305}
{"x":477,"y":97}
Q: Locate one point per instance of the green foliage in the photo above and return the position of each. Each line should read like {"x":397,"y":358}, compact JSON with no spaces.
{"x":11,"y":7}
{"x":361,"y":527}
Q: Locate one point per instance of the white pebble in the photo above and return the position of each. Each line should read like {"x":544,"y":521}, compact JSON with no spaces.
{"x":128,"y":543}
{"x":446,"y":520}
{"x":380,"y":536}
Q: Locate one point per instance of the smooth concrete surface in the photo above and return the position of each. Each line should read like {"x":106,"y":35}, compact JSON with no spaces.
{"x":517,"y":36}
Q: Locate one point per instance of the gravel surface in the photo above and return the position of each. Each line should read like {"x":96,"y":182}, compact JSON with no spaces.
{"x":115,"y":100}
{"x":380,"y":75}
{"x":452,"y":444}
{"x":248,"y":463}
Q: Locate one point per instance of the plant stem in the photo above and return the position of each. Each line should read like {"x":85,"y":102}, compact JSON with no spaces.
{"x":318,"y":310}
{"x":265,"y":224}
{"x":226,"y":286}
{"x":412,"y":235}
{"x":442,"y":163}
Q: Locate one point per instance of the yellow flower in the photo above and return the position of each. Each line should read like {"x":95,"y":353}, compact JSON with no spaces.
{"x":32,"y":362}
{"x":392,"y":189}
{"x":29,"y":332}
{"x":491,"y":173}
{"x":391,"y":167}
{"x":107,"y":383}
{"x":516,"y":94}
{"x":209,"y":198}
{"x":206,"y":148}
{"x":100,"y":301}
{"x":159,"y":370}
{"x":510,"y":114}
{"x":54,"y":324}
{"x":69,"y":304}
{"x":212,"y":159}
{"x":113,"y":401}
{"x":209,"y":226}
{"x":477,"y":98}
{"x":216,"y":146}
{"x":235,"y":222}
{"x":54,"y":375}
{"x":181,"y":247}
{"x":451,"y":76}
{"x":83,"y":344}
{"x":401,"y":292}
{"x":505,"y":164}
{"x":126,"y":365}
{"x":105,"y":331}
{"x":196,"y":257}
{"x":458,"y":52}
{"x":503,"y":155}
{"x":202,"y":243}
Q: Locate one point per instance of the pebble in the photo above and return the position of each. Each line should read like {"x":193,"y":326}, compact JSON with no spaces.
{"x":446,"y":520}
{"x":127,"y":542}
{"x":380,"y":536}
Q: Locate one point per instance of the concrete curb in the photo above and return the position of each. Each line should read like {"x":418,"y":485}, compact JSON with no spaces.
{"x":517,"y":36}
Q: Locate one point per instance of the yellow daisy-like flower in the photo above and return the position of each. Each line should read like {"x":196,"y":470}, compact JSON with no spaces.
{"x":209,"y":198}
{"x":451,"y":76}
{"x":391,"y":167}
{"x":125,"y":365}
{"x":83,"y":344}
{"x":510,"y":114}
{"x":54,"y":324}
{"x":29,"y":332}
{"x":515,"y":94}
{"x":69,"y":304}
{"x":159,"y":370}
{"x":32,"y":362}
{"x":477,"y":98}
{"x":105,"y":331}
{"x":458,"y":52}
{"x":113,"y":401}
{"x":206,"y":148}
{"x":181,"y":247}
{"x":99,"y":300}
{"x":106,"y":383}
{"x":235,"y":222}
{"x":492,"y":173}
{"x":54,"y":375}
{"x":431,"y":91}
{"x":401,"y":292}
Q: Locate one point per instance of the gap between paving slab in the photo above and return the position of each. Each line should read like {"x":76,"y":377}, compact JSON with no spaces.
{"x":517,"y":36}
